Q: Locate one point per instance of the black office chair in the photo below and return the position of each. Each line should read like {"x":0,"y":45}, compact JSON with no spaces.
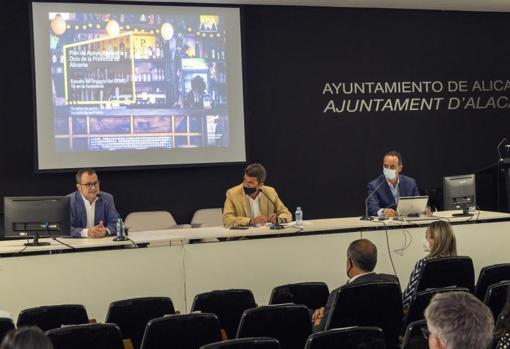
{"x":227,"y":305}
{"x":190,"y":331}
{"x":245,"y":343}
{"x":290,"y":324}
{"x":443,"y":272}
{"x":348,"y":338}
{"x":53,"y":316}
{"x":6,"y":326}
{"x":414,"y":337}
{"x":490,"y":275}
{"x":312,"y":294}
{"x":96,"y":336}
{"x":421,"y":300}
{"x":132,"y":315}
{"x":495,"y":297}
{"x":377,"y":304}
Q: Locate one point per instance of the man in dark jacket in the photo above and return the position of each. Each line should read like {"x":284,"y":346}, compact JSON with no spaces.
{"x":361,"y":261}
{"x":385,"y":191}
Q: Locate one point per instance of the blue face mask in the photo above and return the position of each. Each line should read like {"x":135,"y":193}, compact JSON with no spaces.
{"x":389,"y":174}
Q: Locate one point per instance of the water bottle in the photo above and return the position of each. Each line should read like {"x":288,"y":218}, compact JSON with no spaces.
{"x":119,"y":227}
{"x":122,"y":228}
{"x":120,"y":231}
{"x":299,"y":217}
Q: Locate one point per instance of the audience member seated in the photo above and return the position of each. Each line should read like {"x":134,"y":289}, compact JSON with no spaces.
{"x":253,"y":203}
{"x":361,"y":261}
{"x":502,"y":332}
{"x":458,"y":320}
{"x":439,"y":242}
{"x":93,"y":212}
{"x":26,"y":338}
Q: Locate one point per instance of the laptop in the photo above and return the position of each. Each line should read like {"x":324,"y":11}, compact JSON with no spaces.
{"x":412,"y":208}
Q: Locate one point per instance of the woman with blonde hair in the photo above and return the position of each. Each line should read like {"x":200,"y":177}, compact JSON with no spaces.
{"x":439,"y":242}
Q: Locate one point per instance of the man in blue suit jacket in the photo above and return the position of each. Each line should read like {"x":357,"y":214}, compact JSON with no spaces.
{"x":93,"y":212}
{"x":390,"y":186}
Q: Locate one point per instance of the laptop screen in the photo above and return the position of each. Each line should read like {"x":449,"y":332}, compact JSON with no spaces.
{"x":412,"y":205}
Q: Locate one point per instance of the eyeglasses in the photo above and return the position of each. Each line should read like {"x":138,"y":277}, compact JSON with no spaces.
{"x":425,"y":332}
{"x":90,"y":185}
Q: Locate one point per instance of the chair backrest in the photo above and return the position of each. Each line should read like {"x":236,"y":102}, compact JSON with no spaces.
{"x":245,"y":343}
{"x":348,"y":338}
{"x":377,"y":304}
{"x":421,"y":300}
{"x":209,"y":217}
{"x":53,"y":316}
{"x":290,"y":324}
{"x":97,"y":336}
{"x":490,"y":275}
{"x":227,"y":305}
{"x":495,"y":297}
{"x":413,"y":337}
{"x":447,"y":271}
{"x":132,"y":315}
{"x":312,"y":294}
{"x":6,"y":326}
{"x":190,"y":331}
{"x":149,"y":220}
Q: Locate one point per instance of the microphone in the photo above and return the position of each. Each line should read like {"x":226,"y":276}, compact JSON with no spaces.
{"x":366,"y":217}
{"x":277,"y":224}
{"x":498,"y":148}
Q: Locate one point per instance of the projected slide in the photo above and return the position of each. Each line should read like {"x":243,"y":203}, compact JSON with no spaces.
{"x":150,"y":82}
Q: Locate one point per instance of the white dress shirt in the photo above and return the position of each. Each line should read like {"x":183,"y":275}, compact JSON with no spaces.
{"x":254,"y":206}
{"x":90,"y":209}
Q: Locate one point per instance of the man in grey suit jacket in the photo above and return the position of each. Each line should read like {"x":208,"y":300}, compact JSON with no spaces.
{"x":361,"y":261}
{"x":93,"y":212}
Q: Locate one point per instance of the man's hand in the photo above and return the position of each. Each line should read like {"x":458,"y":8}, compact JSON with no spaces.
{"x":98,"y":231}
{"x":258,"y":220}
{"x":389,"y":212}
{"x":317,"y":316}
{"x":272,"y":218}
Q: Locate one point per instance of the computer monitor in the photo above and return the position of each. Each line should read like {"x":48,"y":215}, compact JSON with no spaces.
{"x":36,"y":216}
{"x":459,"y":193}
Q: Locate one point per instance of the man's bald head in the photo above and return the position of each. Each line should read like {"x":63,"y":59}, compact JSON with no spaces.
{"x":363,"y":254}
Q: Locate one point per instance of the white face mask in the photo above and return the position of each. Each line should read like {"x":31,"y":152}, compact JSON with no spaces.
{"x":389,"y":173}
{"x":425,"y":244}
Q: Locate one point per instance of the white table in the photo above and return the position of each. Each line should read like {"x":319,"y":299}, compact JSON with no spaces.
{"x":263,"y":259}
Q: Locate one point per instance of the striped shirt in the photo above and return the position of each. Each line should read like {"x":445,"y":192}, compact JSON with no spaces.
{"x":412,"y":286}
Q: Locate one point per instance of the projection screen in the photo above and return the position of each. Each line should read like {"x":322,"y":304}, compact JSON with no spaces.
{"x":120,"y":85}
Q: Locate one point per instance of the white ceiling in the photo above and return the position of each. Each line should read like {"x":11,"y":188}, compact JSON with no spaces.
{"x":463,"y":5}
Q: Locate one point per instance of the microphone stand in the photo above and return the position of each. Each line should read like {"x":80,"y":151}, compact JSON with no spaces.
{"x":277,"y":224}
{"x":366,"y":217}
{"x":498,"y":173}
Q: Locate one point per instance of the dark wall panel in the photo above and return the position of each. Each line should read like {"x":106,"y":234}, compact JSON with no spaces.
{"x":319,"y":161}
